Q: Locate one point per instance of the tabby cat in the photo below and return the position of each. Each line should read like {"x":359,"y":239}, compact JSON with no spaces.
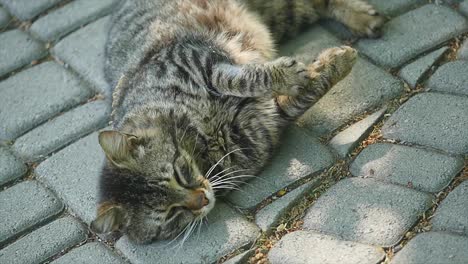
{"x":200,"y":102}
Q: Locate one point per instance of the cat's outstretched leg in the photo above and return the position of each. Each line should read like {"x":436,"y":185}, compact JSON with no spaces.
{"x":357,"y":15}
{"x":283,"y":76}
{"x":331,"y":66}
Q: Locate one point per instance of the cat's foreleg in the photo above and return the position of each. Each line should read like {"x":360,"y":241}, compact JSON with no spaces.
{"x":331,"y":66}
{"x":283,"y":76}
{"x":357,"y":15}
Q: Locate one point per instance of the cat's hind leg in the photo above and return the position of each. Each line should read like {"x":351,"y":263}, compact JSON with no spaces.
{"x":331,"y":66}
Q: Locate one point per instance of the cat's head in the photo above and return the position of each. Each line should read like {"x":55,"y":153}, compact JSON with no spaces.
{"x":151,"y":189}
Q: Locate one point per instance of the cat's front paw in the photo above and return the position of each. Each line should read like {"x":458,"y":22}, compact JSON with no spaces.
{"x":289,"y":76}
{"x":365,"y":21}
{"x":335,"y":63}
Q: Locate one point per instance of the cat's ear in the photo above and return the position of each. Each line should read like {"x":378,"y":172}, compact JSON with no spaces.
{"x":118,"y":146}
{"x":111,"y":217}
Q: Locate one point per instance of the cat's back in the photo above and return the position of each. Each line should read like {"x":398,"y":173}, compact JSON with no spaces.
{"x":142,"y":26}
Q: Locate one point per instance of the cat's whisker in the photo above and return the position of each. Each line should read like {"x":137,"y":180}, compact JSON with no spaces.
{"x":175,"y":238}
{"x":219,"y":173}
{"x":219,"y":161}
{"x":187,"y":234}
{"x":227,"y":174}
{"x":228,"y":184}
{"x":234,"y":177}
{"x":200,"y":223}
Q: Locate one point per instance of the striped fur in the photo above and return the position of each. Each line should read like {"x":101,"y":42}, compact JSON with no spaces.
{"x":199,"y":105}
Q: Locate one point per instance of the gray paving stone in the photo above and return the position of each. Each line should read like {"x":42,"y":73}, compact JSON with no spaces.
{"x":4,"y":17}
{"x":84,"y":51}
{"x":62,"y":130}
{"x":395,"y":7}
{"x":45,"y":242}
{"x":348,"y":139}
{"x":434,"y":248}
{"x":464,"y":8}
{"x":53,"y":89}
{"x":413,"y":33}
{"x":413,"y":167}
{"x":413,"y":72}
{"x":299,"y":156}
{"x":23,"y":206}
{"x":366,"y":87}
{"x":452,"y":213}
{"x":90,"y":253}
{"x":241,"y":258}
{"x":451,"y":77}
{"x":73,"y":173}
{"x":302,"y":247}
{"x":70,"y":17}
{"x":367,"y":211}
{"x":463,"y":51}
{"x":226,"y":231}
{"x":269,"y":216}
{"x":11,"y":168}
{"x":27,"y":9}
{"x":18,"y":49}
{"x":307,"y":46}
{"x":430,"y":119}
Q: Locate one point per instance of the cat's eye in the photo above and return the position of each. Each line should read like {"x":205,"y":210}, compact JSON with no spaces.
{"x":182,"y":175}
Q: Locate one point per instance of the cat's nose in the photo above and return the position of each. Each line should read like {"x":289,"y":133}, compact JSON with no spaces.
{"x":196,"y":200}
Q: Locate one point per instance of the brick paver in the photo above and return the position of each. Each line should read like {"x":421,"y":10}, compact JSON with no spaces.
{"x":11,"y":167}
{"x":430,"y":119}
{"x":90,"y":253}
{"x":302,"y":247}
{"x":45,"y":242}
{"x":62,"y":130}
{"x":299,"y":156}
{"x":18,"y":49}
{"x":70,"y":17}
{"x":241,"y":258}
{"x":452,"y":214}
{"x":413,"y":72}
{"x":269,"y":216}
{"x":416,"y":168}
{"x":394,"y":7}
{"x":226,"y":231}
{"x":450,"y":78}
{"x":463,"y":51}
{"x":83,"y":50}
{"x":434,"y":248}
{"x":4,"y":17}
{"x":54,"y":90}
{"x":27,"y":9}
{"x":348,"y":139}
{"x":367,"y":211}
{"x":413,"y":33}
{"x":76,"y":182}
{"x":24,"y":206}
{"x":464,"y":8}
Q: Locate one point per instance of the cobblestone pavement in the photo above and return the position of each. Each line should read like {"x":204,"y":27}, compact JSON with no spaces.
{"x":375,"y":172}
